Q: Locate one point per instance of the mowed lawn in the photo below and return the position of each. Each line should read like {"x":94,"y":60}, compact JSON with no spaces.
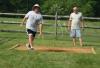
{"x":35,"y":59}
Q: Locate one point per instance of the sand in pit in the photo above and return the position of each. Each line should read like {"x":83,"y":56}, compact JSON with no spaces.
{"x":57,"y":49}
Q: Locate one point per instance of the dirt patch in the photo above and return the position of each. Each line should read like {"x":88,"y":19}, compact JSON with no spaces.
{"x":57,"y":49}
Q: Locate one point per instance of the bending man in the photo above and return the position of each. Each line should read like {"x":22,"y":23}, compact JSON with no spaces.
{"x":34,"y":19}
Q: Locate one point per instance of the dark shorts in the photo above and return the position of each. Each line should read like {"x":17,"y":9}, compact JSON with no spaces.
{"x":30,"y":32}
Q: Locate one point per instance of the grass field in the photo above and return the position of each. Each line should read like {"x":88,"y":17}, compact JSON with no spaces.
{"x":35,"y":59}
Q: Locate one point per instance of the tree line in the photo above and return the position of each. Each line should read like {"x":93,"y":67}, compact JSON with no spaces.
{"x":63,"y":7}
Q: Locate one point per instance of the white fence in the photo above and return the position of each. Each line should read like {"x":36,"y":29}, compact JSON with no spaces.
{"x":45,"y":16}
{"x":50,"y":16}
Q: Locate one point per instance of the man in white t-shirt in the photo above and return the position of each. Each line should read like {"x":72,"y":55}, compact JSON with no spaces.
{"x":34,"y":19}
{"x":75,"y":24}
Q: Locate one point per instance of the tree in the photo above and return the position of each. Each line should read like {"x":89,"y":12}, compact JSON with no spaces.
{"x":6,"y":6}
{"x":97,"y":8}
{"x":64,"y":7}
{"x":86,"y":6}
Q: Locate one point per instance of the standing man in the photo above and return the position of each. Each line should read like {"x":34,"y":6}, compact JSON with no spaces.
{"x":34,"y":20}
{"x":74,"y":25}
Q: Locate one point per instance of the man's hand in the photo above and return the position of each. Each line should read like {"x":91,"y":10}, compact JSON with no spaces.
{"x":22,"y":24}
{"x":40,"y":30}
{"x":69,"y":25}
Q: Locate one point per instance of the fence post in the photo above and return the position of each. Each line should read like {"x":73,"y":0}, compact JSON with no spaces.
{"x":56,"y":18}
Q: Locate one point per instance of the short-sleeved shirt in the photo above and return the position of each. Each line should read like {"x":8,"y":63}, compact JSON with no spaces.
{"x":75,"y":18}
{"x":33,"y":20}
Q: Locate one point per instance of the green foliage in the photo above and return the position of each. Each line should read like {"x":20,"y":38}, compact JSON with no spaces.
{"x":97,"y":8}
{"x":36,"y":59}
{"x":64,"y":7}
{"x":6,"y":6}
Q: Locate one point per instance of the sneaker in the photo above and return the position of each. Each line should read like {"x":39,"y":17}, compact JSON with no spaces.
{"x":28,"y":46}
{"x":32,"y":48}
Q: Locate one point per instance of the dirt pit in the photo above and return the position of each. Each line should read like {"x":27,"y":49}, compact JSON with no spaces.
{"x":57,"y":49}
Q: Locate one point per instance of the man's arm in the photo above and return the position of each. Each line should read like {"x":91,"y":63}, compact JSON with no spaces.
{"x":25,"y":18}
{"x":69,"y":25}
{"x":23,"y":21}
{"x":82,"y":24}
{"x":40,"y":28}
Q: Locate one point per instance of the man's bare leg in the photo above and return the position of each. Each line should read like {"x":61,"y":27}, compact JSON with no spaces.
{"x":74,"y":41}
{"x":31,"y":38}
{"x":81,"y":41}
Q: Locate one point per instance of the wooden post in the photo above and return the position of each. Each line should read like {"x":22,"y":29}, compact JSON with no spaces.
{"x":56,"y":18}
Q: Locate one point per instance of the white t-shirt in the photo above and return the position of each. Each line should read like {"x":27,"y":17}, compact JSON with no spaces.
{"x":75,"y":18}
{"x":33,"y":21}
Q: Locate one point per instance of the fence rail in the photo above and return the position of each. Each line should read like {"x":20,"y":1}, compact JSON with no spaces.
{"x":50,"y":16}
{"x":46,"y":24}
{"x":22,"y":31}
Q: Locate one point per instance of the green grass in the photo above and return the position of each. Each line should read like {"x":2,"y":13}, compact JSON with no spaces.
{"x":30,"y":59}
